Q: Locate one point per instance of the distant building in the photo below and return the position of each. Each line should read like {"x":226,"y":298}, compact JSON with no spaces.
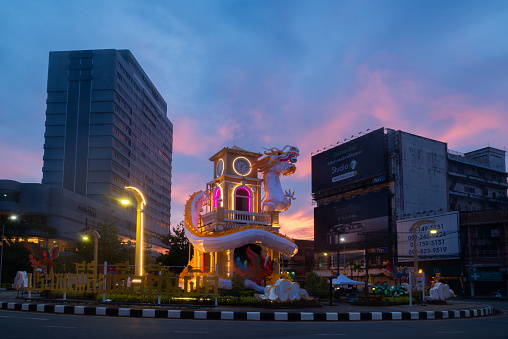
{"x":303,"y":262}
{"x":369,"y":190}
{"x":51,"y":216}
{"x":106,"y":128}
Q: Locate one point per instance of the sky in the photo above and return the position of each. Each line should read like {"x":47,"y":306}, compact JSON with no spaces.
{"x":263,"y":74}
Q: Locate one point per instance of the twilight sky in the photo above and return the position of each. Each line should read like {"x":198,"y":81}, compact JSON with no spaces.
{"x":304,"y":73}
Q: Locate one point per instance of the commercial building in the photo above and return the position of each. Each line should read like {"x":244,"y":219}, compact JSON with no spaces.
{"x":106,"y":128}
{"x":371,"y":190}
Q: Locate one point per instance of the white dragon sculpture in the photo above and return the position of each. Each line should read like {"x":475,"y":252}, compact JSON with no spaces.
{"x":273,"y":164}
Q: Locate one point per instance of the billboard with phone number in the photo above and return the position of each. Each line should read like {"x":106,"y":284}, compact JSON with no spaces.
{"x":442,"y":244}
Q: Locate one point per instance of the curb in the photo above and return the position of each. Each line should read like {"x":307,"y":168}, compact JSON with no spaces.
{"x":255,"y":316}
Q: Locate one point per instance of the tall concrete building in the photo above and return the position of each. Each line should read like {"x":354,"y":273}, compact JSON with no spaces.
{"x":106,"y":128}
{"x":375,"y":191}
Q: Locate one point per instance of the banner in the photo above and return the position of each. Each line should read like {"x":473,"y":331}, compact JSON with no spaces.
{"x":352,"y":161}
{"x":444,"y":244}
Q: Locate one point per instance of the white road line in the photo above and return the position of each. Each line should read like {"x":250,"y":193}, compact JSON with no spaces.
{"x":330,"y":334}
{"x":11,"y":316}
{"x":60,"y":326}
{"x":33,"y":318}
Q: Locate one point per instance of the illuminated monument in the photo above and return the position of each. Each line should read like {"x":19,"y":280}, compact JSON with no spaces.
{"x":233,"y":225}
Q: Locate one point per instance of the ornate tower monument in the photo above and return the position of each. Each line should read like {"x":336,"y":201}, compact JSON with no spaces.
{"x":232,"y":225}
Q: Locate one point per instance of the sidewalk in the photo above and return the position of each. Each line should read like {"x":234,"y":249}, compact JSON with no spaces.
{"x":456,"y":308}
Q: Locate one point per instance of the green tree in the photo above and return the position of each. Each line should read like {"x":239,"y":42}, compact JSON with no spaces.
{"x":312,"y":281}
{"x":15,"y":258}
{"x":111,"y":248}
{"x":355,"y":266}
{"x":178,"y":255}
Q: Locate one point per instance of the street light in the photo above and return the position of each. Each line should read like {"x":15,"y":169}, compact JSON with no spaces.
{"x":343,"y":240}
{"x":11,"y":218}
{"x":96,"y":245}
{"x":413,"y":229}
{"x":140,"y":199}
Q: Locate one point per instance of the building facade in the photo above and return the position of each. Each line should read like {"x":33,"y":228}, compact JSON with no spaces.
{"x":106,"y":128}
{"x":411,"y":178}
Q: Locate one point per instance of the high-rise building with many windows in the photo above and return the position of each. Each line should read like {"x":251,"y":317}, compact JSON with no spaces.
{"x":106,"y":128}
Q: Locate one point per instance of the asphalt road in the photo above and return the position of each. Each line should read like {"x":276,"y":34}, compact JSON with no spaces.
{"x":15,"y":324}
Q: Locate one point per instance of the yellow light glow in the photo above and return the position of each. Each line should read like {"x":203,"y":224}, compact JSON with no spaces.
{"x":125,"y":201}
{"x":140,"y":199}
{"x":136,"y":281}
{"x":229,"y":263}
{"x":326,"y":254}
{"x":420,"y":271}
{"x":85,"y":237}
{"x":433,"y":231}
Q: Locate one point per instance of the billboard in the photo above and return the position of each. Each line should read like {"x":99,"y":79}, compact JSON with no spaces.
{"x":351,"y":219}
{"x":352,"y":161}
{"x":442,"y":245}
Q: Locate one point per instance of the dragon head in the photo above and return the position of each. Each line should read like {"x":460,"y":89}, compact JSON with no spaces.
{"x":282,"y":161}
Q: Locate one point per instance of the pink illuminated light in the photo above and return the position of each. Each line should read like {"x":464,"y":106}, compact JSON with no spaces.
{"x":216,"y":196}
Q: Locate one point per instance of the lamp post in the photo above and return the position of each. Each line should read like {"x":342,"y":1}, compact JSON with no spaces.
{"x":141,"y":202}
{"x":11,"y":218}
{"x":343,"y":240}
{"x":413,"y":229}
{"x":96,"y":245}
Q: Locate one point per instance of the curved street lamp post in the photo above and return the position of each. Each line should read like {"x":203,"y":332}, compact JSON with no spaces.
{"x":141,"y":202}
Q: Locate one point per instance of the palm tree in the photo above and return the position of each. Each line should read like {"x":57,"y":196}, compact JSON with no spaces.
{"x":355,"y":267}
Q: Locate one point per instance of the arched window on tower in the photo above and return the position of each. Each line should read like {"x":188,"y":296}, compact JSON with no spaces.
{"x":217,"y":198}
{"x":242,"y":199}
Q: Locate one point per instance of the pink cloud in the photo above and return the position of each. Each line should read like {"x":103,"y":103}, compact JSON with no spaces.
{"x":298,"y":224}
{"x":467,"y":124}
{"x":192,"y":138}
{"x":408,"y":102}
{"x":186,"y":183}
{"x":20,"y":164}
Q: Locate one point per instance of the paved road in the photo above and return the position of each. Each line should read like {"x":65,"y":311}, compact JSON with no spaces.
{"x":42,"y":325}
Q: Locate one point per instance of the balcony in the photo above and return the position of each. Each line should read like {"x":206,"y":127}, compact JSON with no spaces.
{"x":222,"y":220}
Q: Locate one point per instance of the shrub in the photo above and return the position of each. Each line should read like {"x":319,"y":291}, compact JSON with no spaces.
{"x":237,"y":282}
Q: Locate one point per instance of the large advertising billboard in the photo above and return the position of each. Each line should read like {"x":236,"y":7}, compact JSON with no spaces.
{"x":352,"y":161}
{"x":355,"y":220}
{"x":443,"y":244}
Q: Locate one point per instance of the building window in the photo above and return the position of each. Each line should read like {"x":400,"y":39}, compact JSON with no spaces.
{"x":487,"y":254}
{"x":8,"y":195}
{"x":470,"y":190}
{"x":242,"y":199}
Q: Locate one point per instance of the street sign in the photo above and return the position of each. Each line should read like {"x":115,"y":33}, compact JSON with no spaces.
{"x":485,"y":276}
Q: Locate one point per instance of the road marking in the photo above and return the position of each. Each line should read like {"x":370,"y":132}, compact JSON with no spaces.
{"x":60,"y":326}
{"x":191,"y":332}
{"x":11,"y":316}
{"x":33,"y":318}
